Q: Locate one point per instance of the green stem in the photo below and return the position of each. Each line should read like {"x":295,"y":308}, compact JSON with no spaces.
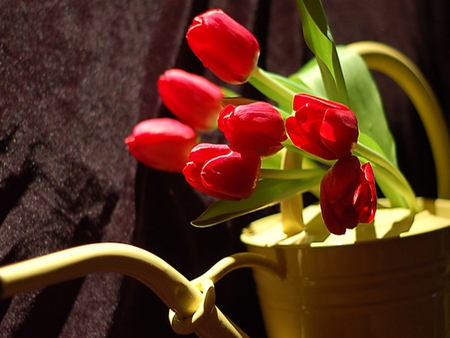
{"x":292,"y":208}
{"x":267,"y":85}
{"x":395,"y":178}
{"x":289,"y":174}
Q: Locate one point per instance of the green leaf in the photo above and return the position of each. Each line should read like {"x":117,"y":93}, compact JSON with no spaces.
{"x":296,"y":86}
{"x":270,"y":89}
{"x":369,"y":142}
{"x":268,"y":192}
{"x":364,"y":99}
{"x":228,"y":92}
{"x":272,"y":162}
{"x":389,"y":190}
{"x":319,"y":39}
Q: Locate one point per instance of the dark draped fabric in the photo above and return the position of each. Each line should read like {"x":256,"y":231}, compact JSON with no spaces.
{"x":76,"y":76}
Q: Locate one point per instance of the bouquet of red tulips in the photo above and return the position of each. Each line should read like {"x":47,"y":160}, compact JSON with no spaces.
{"x":319,"y":137}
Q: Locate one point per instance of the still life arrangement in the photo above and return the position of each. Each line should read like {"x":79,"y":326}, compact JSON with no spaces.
{"x":368,"y":249}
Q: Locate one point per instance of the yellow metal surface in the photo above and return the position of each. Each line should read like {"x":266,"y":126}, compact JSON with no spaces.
{"x":389,"y":284}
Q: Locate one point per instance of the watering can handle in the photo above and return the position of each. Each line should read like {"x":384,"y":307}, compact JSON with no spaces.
{"x":408,"y":76}
{"x":191,"y":303}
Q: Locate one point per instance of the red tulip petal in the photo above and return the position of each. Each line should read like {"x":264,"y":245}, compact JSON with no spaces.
{"x":347,"y":195}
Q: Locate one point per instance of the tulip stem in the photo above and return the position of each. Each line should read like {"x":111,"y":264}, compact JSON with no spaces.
{"x":292,"y":208}
{"x":267,"y":85}
{"x":291,"y":174}
{"x":391,"y":174}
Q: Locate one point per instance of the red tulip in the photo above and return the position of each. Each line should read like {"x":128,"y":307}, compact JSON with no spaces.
{"x":223,"y":171}
{"x":323,"y":128}
{"x":223,"y":45}
{"x":256,"y":126}
{"x":162,"y":143}
{"x":348,"y":195}
{"x":192,"y":98}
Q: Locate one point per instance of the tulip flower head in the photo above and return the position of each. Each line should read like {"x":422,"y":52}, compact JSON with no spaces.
{"x":162,"y":143}
{"x":347,"y":195}
{"x":257,"y":126}
{"x":192,"y":98}
{"x":323,"y":128}
{"x":223,"y":171}
{"x":224,"y":46}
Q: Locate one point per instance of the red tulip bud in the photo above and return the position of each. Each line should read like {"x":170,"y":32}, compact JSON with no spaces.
{"x":257,"y":126}
{"x":323,"y":128}
{"x":223,"y":171}
{"x":192,"y":98}
{"x":223,"y":45}
{"x":348,"y":195}
{"x":162,"y":143}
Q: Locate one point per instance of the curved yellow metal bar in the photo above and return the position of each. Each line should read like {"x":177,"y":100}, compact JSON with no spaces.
{"x":198,"y":324}
{"x":191,"y":303}
{"x":237,"y":261}
{"x":402,"y":70}
{"x":172,"y":287}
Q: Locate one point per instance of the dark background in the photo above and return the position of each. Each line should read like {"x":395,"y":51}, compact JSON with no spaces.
{"x":77,"y":75}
